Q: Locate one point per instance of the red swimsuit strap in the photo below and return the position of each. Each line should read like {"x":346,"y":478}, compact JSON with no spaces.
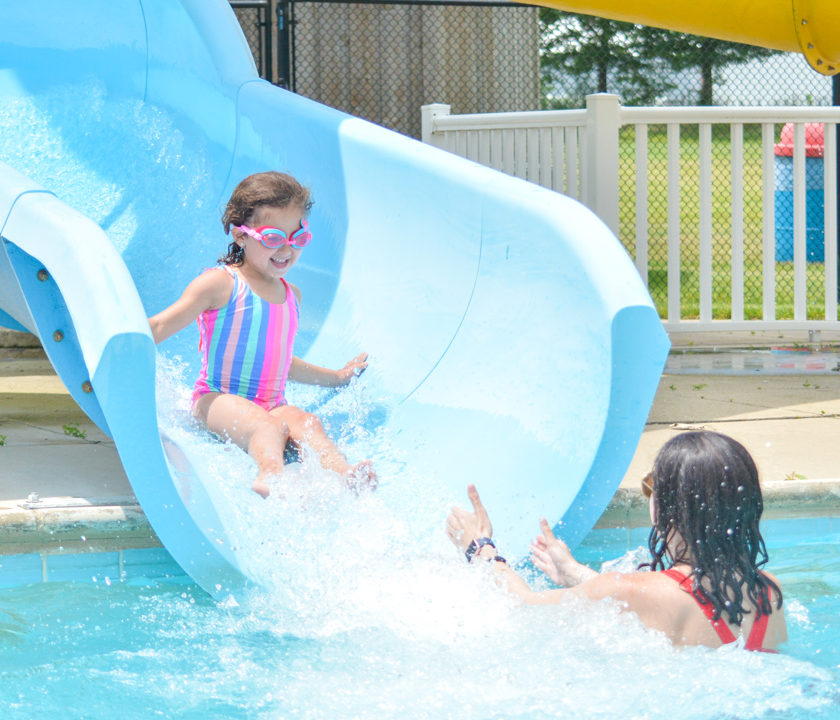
{"x":755,"y":641}
{"x":720,"y":626}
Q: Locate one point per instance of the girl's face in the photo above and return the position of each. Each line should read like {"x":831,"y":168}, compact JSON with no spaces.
{"x":271,"y":263}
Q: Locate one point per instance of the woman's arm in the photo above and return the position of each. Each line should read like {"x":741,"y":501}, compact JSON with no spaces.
{"x":208,"y":290}
{"x":465,"y":527}
{"x":304,"y":372}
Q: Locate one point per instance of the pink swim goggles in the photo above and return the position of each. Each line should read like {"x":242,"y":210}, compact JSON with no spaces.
{"x":273,"y":238}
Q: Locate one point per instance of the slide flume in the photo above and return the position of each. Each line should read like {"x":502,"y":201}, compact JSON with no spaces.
{"x":513,"y":343}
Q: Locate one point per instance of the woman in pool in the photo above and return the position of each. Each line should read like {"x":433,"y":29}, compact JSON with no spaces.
{"x":706,"y":586}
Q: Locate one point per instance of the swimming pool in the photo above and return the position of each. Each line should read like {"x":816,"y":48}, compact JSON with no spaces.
{"x":367,"y":610}
{"x":356,"y":630}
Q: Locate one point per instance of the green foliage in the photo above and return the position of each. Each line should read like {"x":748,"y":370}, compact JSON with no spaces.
{"x":583,"y":54}
{"x":74,"y":431}
{"x":708,"y":55}
{"x":2,"y":440}
{"x":589,"y":54}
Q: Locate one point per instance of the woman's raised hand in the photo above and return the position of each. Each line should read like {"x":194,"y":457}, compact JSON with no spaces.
{"x":553,"y":557}
{"x":464,"y":526}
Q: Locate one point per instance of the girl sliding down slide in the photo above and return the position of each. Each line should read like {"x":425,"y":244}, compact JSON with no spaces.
{"x":247,"y":317}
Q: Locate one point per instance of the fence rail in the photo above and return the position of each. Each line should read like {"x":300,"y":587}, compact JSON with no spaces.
{"x":693,"y":203}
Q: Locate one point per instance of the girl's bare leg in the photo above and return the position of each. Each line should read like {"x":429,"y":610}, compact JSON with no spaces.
{"x":249,"y":426}
{"x":307,"y":428}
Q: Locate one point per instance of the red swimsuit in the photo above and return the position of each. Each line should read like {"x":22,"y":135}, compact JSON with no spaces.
{"x":759,"y":627}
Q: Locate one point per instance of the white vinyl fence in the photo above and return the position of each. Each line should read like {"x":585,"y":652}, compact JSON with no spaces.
{"x":692,"y":194}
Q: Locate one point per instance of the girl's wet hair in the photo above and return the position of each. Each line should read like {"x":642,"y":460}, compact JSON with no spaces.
{"x":706,"y":489}
{"x":265,"y":189}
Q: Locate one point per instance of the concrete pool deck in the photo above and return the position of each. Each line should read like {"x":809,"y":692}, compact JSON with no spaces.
{"x":62,"y":486}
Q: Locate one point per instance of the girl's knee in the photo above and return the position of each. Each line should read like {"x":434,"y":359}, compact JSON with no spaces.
{"x":275,"y":426}
{"x":312,"y":422}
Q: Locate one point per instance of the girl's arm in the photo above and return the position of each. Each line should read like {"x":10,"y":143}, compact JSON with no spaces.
{"x":209,"y":290}
{"x":304,"y":372}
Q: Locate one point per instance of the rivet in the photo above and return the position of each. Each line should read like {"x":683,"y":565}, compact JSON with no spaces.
{"x":819,"y":62}
{"x":804,"y":21}
{"x":43,"y":275}
{"x":87,"y":387}
{"x":810,"y":46}
{"x":58,"y":336}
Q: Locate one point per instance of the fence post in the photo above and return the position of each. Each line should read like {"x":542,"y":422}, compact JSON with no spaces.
{"x":284,"y":45}
{"x":603,"y":118}
{"x":428,"y":113}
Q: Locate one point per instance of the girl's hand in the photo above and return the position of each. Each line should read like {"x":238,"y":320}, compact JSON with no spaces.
{"x":464,"y":526}
{"x":352,"y":369}
{"x":553,"y":557}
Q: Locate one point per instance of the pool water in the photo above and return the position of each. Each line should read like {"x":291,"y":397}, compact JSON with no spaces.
{"x":411,"y":634}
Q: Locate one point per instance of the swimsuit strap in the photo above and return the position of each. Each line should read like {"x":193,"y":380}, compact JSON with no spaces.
{"x":759,"y":628}
{"x":755,"y":640}
{"x":720,"y":626}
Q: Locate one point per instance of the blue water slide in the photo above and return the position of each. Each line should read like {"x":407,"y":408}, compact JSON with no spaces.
{"x":513,"y":344}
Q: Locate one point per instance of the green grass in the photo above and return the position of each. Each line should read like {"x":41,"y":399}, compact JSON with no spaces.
{"x":721,"y":225}
{"x":74,"y":431}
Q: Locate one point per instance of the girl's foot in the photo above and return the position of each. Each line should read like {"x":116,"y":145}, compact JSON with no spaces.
{"x":361,"y":476}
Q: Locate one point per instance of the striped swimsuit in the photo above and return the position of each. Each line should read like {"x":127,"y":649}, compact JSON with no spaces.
{"x":246,"y":346}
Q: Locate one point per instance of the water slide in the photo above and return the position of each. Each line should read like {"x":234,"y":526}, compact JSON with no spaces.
{"x":806,"y":26}
{"x":512,"y":342}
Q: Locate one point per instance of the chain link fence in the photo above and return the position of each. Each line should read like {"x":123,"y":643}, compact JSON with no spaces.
{"x":255,"y":18}
{"x":648,"y":66}
{"x":383,"y":61}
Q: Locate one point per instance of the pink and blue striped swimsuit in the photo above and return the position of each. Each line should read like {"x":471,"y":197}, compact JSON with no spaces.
{"x":246,"y":346}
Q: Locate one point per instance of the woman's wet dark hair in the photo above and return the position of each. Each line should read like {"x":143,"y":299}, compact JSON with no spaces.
{"x":265,"y":189}
{"x":705,"y":488}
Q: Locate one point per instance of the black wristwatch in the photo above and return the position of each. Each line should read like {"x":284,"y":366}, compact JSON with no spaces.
{"x":476,"y":545}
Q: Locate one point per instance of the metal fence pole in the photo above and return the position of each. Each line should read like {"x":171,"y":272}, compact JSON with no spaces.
{"x":284,"y":60}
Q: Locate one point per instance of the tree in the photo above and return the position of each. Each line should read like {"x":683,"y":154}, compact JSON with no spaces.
{"x":582,"y":54}
{"x":683,"y":52}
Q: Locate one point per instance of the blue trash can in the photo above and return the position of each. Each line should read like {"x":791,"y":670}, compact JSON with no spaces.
{"x":814,"y":196}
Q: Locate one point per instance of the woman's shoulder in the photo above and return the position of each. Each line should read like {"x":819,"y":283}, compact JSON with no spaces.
{"x":641,"y":591}
{"x":625,"y":586}
{"x":775,"y":581}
